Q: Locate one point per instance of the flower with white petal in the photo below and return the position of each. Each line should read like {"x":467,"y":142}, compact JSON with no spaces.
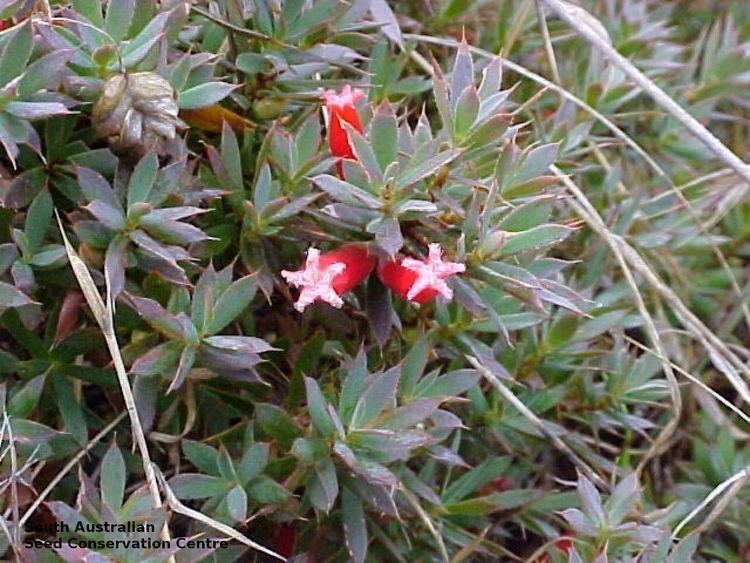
{"x":315,"y":281}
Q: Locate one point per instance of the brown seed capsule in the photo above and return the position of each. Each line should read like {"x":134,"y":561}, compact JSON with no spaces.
{"x":138,"y":112}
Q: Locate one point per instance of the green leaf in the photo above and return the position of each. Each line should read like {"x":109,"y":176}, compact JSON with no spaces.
{"x":251,"y":63}
{"x":467,"y":109}
{"x":142,"y":179}
{"x":365,"y":155}
{"x":12,"y":297}
{"x":685,"y":549}
{"x":266,"y":491}
{"x":355,"y":527}
{"x":41,"y":72}
{"x":507,"y":500}
{"x":322,"y":486}
{"x":383,"y":14}
{"x":71,"y":412}
{"x":237,"y":503}
{"x":307,"y":140}
{"x":202,"y":456}
{"x":451,"y":384}
{"x":30,"y":433}
{"x":38,"y":220}
{"x":528,"y":215}
{"x":487,"y":131}
{"x":16,"y":53}
{"x":462,"y":74}
{"x":119,"y":17}
{"x":441,"y":100}
{"x":538,"y":237}
{"x":155,"y":315}
{"x":231,"y":303}
{"x":491,"y":78}
{"x":113,"y":477}
{"x":426,"y":168}
{"x":158,"y":360}
{"x":189,"y":486}
{"x":562,"y":330}
{"x":410,"y":414}
{"x":384,"y":135}
{"x":230,"y":157}
{"x":379,"y":310}
{"x":316,"y":406}
{"x":591,"y":501}
{"x":413,"y":366}
{"x":536,"y":162}
{"x":387,"y":234}
{"x":253,"y":462}
{"x":141,"y":44}
{"x":310,"y":450}
{"x":264,"y":190}
{"x":91,"y":10}
{"x":10,"y":7}
{"x":345,"y":192}
{"x":622,"y":499}
{"x":475,"y":479}
{"x":351,"y":389}
{"x":26,"y":400}
{"x":205,"y":94}
{"x":380,"y":394}
{"x":276,"y":423}
{"x":35,"y":110}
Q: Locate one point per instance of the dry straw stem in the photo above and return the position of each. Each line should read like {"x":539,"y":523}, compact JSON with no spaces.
{"x":703,"y":228}
{"x":601,"y":32}
{"x":538,"y":424}
{"x":425,"y":518}
{"x":103,"y":316}
{"x":571,"y":14}
{"x":179,"y":508}
{"x":70,"y":465}
{"x":3,"y":523}
{"x":721,"y":355}
{"x":692,"y":379}
{"x":547,"y":42}
{"x":734,"y":484}
{"x":16,"y":532}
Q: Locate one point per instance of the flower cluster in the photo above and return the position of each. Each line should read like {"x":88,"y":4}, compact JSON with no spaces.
{"x":327,"y":276}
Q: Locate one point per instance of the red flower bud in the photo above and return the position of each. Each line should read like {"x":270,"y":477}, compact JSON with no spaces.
{"x":419,"y":280}
{"x":326,"y":277}
{"x":565,"y":543}
{"x":283,"y":539}
{"x":341,"y":109}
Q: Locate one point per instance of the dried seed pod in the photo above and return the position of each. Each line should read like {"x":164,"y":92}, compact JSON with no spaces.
{"x":138,"y":112}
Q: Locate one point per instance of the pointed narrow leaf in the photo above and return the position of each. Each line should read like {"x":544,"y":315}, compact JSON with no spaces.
{"x":355,"y":527}
{"x":231,"y":303}
{"x":113,"y":477}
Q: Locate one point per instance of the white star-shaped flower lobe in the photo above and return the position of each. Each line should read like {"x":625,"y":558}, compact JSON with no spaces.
{"x":431,"y":272}
{"x":315,"y":284}
{"x":347,"y":97}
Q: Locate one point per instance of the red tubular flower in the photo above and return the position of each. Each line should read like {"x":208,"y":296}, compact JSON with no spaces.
{"x":340,"y":109}
{"x":419,"y":280}
{"x":326,"y":277}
